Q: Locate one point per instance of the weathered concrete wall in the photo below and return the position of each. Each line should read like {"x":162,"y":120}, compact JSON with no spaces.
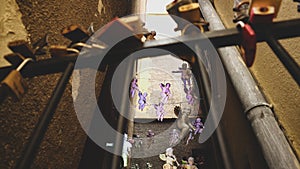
{"x":274,"y":80}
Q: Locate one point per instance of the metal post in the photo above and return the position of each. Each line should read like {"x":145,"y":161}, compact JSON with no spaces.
{"x":276,"y":149}
{"x":39,"y":132}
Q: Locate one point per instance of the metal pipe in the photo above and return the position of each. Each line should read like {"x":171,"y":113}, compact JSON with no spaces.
{"x":39,"y":132}
{"x":286,"y":59}
{"x":276,"y":149}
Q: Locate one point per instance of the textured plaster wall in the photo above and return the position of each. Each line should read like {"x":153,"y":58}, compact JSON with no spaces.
{"x":274,"y":80}
{"x":11,"y":27}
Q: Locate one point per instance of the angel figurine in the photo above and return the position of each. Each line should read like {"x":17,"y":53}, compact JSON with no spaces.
{"x":142,"y":100}
{"x":165,"y":93}
{"x":150,"y":138}
{"x":186,"y":74}
{"x":189,"y":95}
{"x":174,"y":137}
{"x":160,"y":111}
{"x":190,"y":164}
{"x":198,"y":129}
{"x":170,"y":159}
{"x":133,"y":87}
{"x":199,"y":126}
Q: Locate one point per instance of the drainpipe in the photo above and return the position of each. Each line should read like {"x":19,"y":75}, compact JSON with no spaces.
{"x":276,"y":149}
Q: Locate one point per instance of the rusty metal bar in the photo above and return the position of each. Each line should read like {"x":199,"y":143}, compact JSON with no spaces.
{"x":39,"y":132}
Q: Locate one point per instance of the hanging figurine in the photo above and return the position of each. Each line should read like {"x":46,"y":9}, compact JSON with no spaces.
{"x":165,"y":93}
{"x":174,"y":137}
{"x":138,"y":142}
{"x":189,"y":96}
{"x":186,"y":74}
{"x":160,"y":111}
{"x":191,"y":136}
{"x":169,"y":158}
{"x":126,"y":151}
{"x":190,"y":164}
{"x":150,"y":138}
{"x":133,"y":87}
{"x":142,"y":100}
{"x":199,"y":127}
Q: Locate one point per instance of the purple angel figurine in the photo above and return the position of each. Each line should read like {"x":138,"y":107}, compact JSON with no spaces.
{"x":165,"y":93}
{"x":133,"y":87}
{"x":160,"y":111}
{"x":198,"y":129}
{"x":186,"y":74}
{"x":189,"y":96}
{"x":191,"y":136}
{"x":174,"y":137}
{"x":198,"y":125}
{"x":142,"y":100}
{"x":150,"y":138}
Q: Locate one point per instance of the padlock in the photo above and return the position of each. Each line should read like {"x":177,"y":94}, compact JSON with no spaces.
{"x":190,"y":12}
{"x":22,"y":47}
{"x":14,"y":81}
{"x":248,"y":45}
{"x":75,"y":33}
{"x":173,"y":10}
{"x":62,"y":51}
{"x":14,"y":58}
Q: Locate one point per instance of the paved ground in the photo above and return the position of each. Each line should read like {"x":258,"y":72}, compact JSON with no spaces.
{"x":64,"y":140}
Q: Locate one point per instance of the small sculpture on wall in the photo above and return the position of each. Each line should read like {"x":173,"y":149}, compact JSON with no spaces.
{"x":183,"y":122}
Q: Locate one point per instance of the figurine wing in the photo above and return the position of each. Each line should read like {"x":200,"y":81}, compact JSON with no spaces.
{"x":163,"y":157}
